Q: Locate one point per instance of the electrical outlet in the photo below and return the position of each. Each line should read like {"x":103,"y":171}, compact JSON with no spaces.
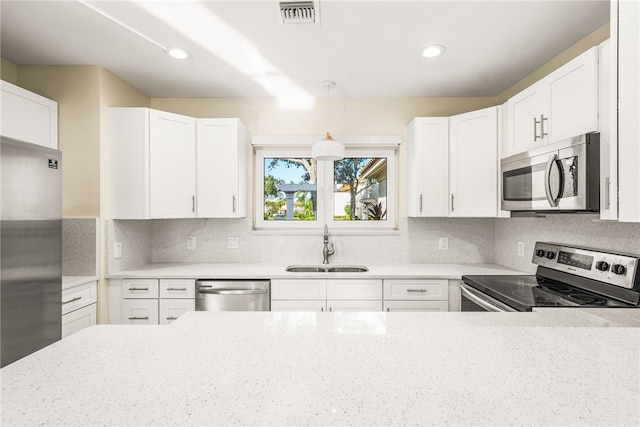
{"x":191,"y":243}
{"x":520,"y":248}
{"x":443,"y":243}
{"x":233,"y":243}
{"x":117,"y":249}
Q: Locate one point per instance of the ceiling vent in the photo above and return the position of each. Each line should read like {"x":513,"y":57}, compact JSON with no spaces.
{"x":299,"y":12}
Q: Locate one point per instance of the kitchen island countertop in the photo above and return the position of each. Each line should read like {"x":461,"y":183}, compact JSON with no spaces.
{"x":279,"y":368}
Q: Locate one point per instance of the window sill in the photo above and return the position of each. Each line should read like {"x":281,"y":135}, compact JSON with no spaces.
{"x":335,"y":231}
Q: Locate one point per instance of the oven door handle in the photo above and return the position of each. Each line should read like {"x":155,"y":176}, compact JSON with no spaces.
{"x":553,"y":201}
{"x":232,"y":291}
{"x":466,"y":292}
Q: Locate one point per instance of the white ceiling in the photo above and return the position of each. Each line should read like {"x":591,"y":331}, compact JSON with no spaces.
{"x":240,"y":49}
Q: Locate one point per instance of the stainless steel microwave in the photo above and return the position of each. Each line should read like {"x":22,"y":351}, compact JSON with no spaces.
{"x":560,"y":177}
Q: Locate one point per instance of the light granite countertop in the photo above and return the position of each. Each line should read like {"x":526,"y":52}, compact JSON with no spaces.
{"x":73,"y":281}
{"x":283,"y":368}
{"x":277,"y":271}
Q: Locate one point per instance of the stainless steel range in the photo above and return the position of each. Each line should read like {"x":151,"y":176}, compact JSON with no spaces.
{"x":567,"y":276}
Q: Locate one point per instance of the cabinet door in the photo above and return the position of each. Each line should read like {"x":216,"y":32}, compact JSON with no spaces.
{"x":298,"y":289}
{"x":573,"y":98}
{"x":28,"y":116}
{"x":140,"y":311}
{"x":221,"y":177}
{"x":79,"y":319}
{"x":473,"y":167}
{"x":354,"y":289}
{"x":172,"y":165}
{"x":607,"y":118}
{"x":354,"y":305}
{"x":524,"y":115}
{"x":171,"y":309}
{"x":79,"y":296}
{"x":298,"y":305}
{"x":428,"y":167}
{"x":140,"y":288}
{"x":628,"y":109}
{"x":416,"y":306}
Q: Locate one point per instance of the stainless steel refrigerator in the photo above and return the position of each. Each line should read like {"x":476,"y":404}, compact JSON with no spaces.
{"x":31,"y":248}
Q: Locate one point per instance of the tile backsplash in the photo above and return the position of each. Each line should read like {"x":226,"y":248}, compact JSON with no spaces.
{"x":471,"y":240}
{"x":80,"y":247}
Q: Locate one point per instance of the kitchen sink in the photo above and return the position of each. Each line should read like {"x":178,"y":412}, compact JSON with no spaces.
{"x":326,"y":269}
{"x":305,"y":269}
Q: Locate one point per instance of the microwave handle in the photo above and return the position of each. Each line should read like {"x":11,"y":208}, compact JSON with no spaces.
{"x":547,"y":180}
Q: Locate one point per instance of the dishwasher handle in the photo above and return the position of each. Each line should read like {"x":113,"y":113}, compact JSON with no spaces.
{"x":204,"y":290}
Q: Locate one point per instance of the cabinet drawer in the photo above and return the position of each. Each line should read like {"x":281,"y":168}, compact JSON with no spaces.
{"x":78,"y":320}
{"x":78,"y":297}
{"x":140,"y":311}
{"x":140,"y":288}
{"x":171,"y":309}
{"x":354,"y":289}
{"x":354,"y":305}
{"x":302,"y":305}
{"x":177,"y":288}
{"x":302,"y":289}
{"x":416,"y":306}
{"x":437,"y":290}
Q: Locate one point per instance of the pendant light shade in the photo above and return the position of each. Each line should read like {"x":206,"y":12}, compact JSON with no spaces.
{"x":328,"y":149}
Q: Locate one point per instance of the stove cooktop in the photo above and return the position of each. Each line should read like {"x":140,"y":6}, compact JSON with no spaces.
{"x":525,"y":292}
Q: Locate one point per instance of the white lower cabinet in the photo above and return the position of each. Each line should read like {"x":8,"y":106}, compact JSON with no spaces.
{"x":153,"y":301}
{"x":78,"y":308}
{"x":416,"y":295}
{"x":326,"y":295}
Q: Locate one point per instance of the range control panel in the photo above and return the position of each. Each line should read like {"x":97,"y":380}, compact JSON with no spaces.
{"x":613,"y":268}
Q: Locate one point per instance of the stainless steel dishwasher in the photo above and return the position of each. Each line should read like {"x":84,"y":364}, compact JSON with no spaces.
{"x":232,"y":295}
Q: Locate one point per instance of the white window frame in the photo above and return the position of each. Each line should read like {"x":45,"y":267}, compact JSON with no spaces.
{"x":296,"y":147}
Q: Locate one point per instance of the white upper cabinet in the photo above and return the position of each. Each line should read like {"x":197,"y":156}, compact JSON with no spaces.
{"x":27,"y":116}
{"x":626,"y":26}
{"x":221,"y":146}
{"x":152,"y":164}
{"x":428,"y":167}
{"x":562,"y":105}
{"x":473,"y":149}
{"x":607,"y":120}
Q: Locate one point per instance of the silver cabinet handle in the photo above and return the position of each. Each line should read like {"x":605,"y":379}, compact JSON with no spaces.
{"x":321,"y":308}
{"x":452,"y":203}
{"x":171,"y":318}
{"x":553,"y":202}
{"x":535,"y":129}
{"x":417,"y":290}
{"x":330,"y":308}
{"x":139,"y":318}
{"x":176,"y":289}
{"x":607,"y":192}
{"x":234,"y":291}
{"x":193,"y":203}
{"x":204,"y":286}
{"x":388,"y":308}
{"x":421,"y":203}
{"x":70,"y":301}
{"x":233,"y":204}
{"x":138,"y":289}
{"x":542,"y":119}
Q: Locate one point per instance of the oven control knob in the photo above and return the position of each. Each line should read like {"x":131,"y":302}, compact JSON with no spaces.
{"x":540,"y":252}
{"x":618,"y":269}
{"x":602,"y":265}
{"x":551,"y":255}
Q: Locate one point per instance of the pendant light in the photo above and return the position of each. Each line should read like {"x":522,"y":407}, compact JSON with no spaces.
{"x":328,"y":148}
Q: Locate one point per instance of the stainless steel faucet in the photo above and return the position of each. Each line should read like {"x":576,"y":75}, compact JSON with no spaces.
{"x":328,"y":249}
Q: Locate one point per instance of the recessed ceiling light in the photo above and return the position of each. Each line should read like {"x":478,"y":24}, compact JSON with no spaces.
{"x":178,"y":53}
{"x":433,"y":51}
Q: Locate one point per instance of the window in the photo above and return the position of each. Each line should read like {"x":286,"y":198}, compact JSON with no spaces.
{"x":293,"y":191}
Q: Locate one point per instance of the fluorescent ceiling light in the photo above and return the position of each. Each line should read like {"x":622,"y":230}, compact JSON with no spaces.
{"x":433,"y":51}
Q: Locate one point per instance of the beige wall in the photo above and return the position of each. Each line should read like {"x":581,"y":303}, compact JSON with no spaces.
{"x":8,"y":71}
{"x":77,"y":91}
